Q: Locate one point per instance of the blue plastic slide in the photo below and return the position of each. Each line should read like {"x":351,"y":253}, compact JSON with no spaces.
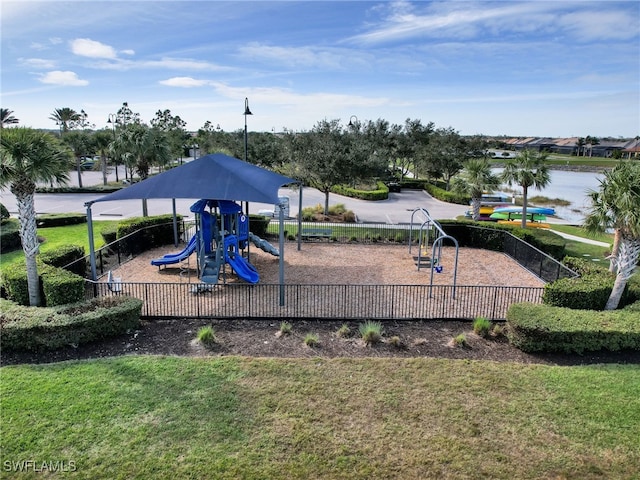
{"x":243,"y":269}
{"x":177,"y":257}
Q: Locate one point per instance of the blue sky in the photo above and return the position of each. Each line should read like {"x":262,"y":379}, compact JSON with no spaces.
{"x":540,"y":68}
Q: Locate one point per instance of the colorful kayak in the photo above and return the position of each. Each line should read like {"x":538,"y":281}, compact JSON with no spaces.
{"x":530,"y":224}
{"x":536,"y":217}
{"x":532,"y":210}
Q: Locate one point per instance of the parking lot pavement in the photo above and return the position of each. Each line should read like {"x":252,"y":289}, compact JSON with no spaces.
{"x":396,"y":209}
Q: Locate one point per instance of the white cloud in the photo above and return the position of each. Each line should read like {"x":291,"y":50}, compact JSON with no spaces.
{"x":583,"y":21}
{"x":184,"y":82}
{"x":65,"y":78}
{"x":292,"y":57}
{"x":86,"y":47}
{"x":39,"y":63}
{"x":128,"y":52}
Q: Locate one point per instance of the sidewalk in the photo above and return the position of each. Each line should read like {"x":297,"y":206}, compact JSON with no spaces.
{"x":582,"y":239}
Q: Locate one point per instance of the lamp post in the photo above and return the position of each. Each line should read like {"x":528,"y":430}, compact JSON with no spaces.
{"x":246,"y":112}
{"x":112,"y":121}
{"x":353,"y":124}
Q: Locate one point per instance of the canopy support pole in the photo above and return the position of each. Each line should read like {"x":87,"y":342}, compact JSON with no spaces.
{"x":300,"y":217}
{"x":281,"y":256}
{"x":175,"y":223}
{"x":92,"y":251}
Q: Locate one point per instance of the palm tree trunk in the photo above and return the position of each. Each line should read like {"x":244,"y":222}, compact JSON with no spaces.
{"x":615,"y":249}
{"x":30,"y":245}
{"x":476,"y":203}
{"x":628,"y":254}
{"x":525,"y":191}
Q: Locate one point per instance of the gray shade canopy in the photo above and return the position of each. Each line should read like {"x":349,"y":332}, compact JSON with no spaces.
{"x":215,"y":176}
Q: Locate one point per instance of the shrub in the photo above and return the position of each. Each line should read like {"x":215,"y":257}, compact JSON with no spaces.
{"x":497,"y":330}
{"x":344,"y":331}
{"x":590,"y":292}
{"x":396,"y":342}
{"x":4,"y":213}
{"x":207,"y":336}
{"x":60,"y":286}
{"x":72,"y":256}
{"x":109,"y":233}
{"x":137,"y":237}
{"x":311,"y":340}
{"x":285,"y":328}
{"x":27,"y":328}
{"x":543,"y":328}
{"x":460,"y":340}
{"x":481,"y":326}
{"x":258,"y":225}
{"x":371,"y":332}
{"x":57,"y":286}
{"x":10,"y":235}
{"x":446,"y":196}
{"x":381,"y":192}
{"x":48,"y":220}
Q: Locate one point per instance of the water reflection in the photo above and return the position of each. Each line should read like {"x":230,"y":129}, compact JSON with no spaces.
{"x":565,"y":185}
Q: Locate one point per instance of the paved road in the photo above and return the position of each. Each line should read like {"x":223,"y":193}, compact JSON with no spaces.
{"x":396,"y":209}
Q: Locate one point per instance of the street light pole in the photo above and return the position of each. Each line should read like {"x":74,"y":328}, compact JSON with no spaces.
{"x":246,"y":112}
{"x":112,"y":120}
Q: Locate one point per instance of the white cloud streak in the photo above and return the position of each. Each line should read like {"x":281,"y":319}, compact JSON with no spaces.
{"x":63,"y":78}
{"x":584,"y":21}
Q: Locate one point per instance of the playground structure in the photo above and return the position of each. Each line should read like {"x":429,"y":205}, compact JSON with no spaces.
{"x":428,"y":226}
{"x":222,"y":236}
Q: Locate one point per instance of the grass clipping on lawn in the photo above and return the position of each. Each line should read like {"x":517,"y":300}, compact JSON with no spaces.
{"x":238,"y":417}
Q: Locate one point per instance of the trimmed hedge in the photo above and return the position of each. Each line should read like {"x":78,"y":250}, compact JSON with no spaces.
{"x":4,"y":213}
{"x":446,"y":196}
{"x":490,"y":236}
{"x":65,"y":255}
{"x":14,"y":283}
{"x":48,"y":220}
{"x":57,"y":285}
{"x":380,"y":193}
{"x":10,"y":235}
{"x":60,"y":286}
{"x":544,"y":328}
{"x":588,"y":292}
{"x":49,"y":328}
{"x":258,"y":224}
{"x":136,"y":237}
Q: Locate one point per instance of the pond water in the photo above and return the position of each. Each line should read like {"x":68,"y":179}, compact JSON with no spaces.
{"x":565,"y":185}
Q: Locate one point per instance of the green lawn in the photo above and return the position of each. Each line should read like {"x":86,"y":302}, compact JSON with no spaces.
{"x":169,"y":417}
{"x":55,"y":237}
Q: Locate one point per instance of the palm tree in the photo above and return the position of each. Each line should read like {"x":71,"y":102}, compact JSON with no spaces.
{"x":64,"y":117}
{"x":475,"y":179}
{"x":7,"y":118}
{"x":527,"y":169}
{"x":617,"y":205}
{"x":30,"y":156}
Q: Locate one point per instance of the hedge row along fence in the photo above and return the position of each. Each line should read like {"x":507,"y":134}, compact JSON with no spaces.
{"x":544,"y":328}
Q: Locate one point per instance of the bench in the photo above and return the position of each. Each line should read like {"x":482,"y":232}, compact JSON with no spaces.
{"x":317,"y":233}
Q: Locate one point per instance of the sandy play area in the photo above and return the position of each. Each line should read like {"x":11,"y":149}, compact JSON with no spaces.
{"x":350,"y":264}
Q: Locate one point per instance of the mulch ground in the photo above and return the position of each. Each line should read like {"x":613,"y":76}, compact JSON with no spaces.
{"x":259,"y":338}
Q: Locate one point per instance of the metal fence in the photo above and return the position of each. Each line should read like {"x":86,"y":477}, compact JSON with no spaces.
{"x":331,"y":302}
{"x":399,"y":302}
